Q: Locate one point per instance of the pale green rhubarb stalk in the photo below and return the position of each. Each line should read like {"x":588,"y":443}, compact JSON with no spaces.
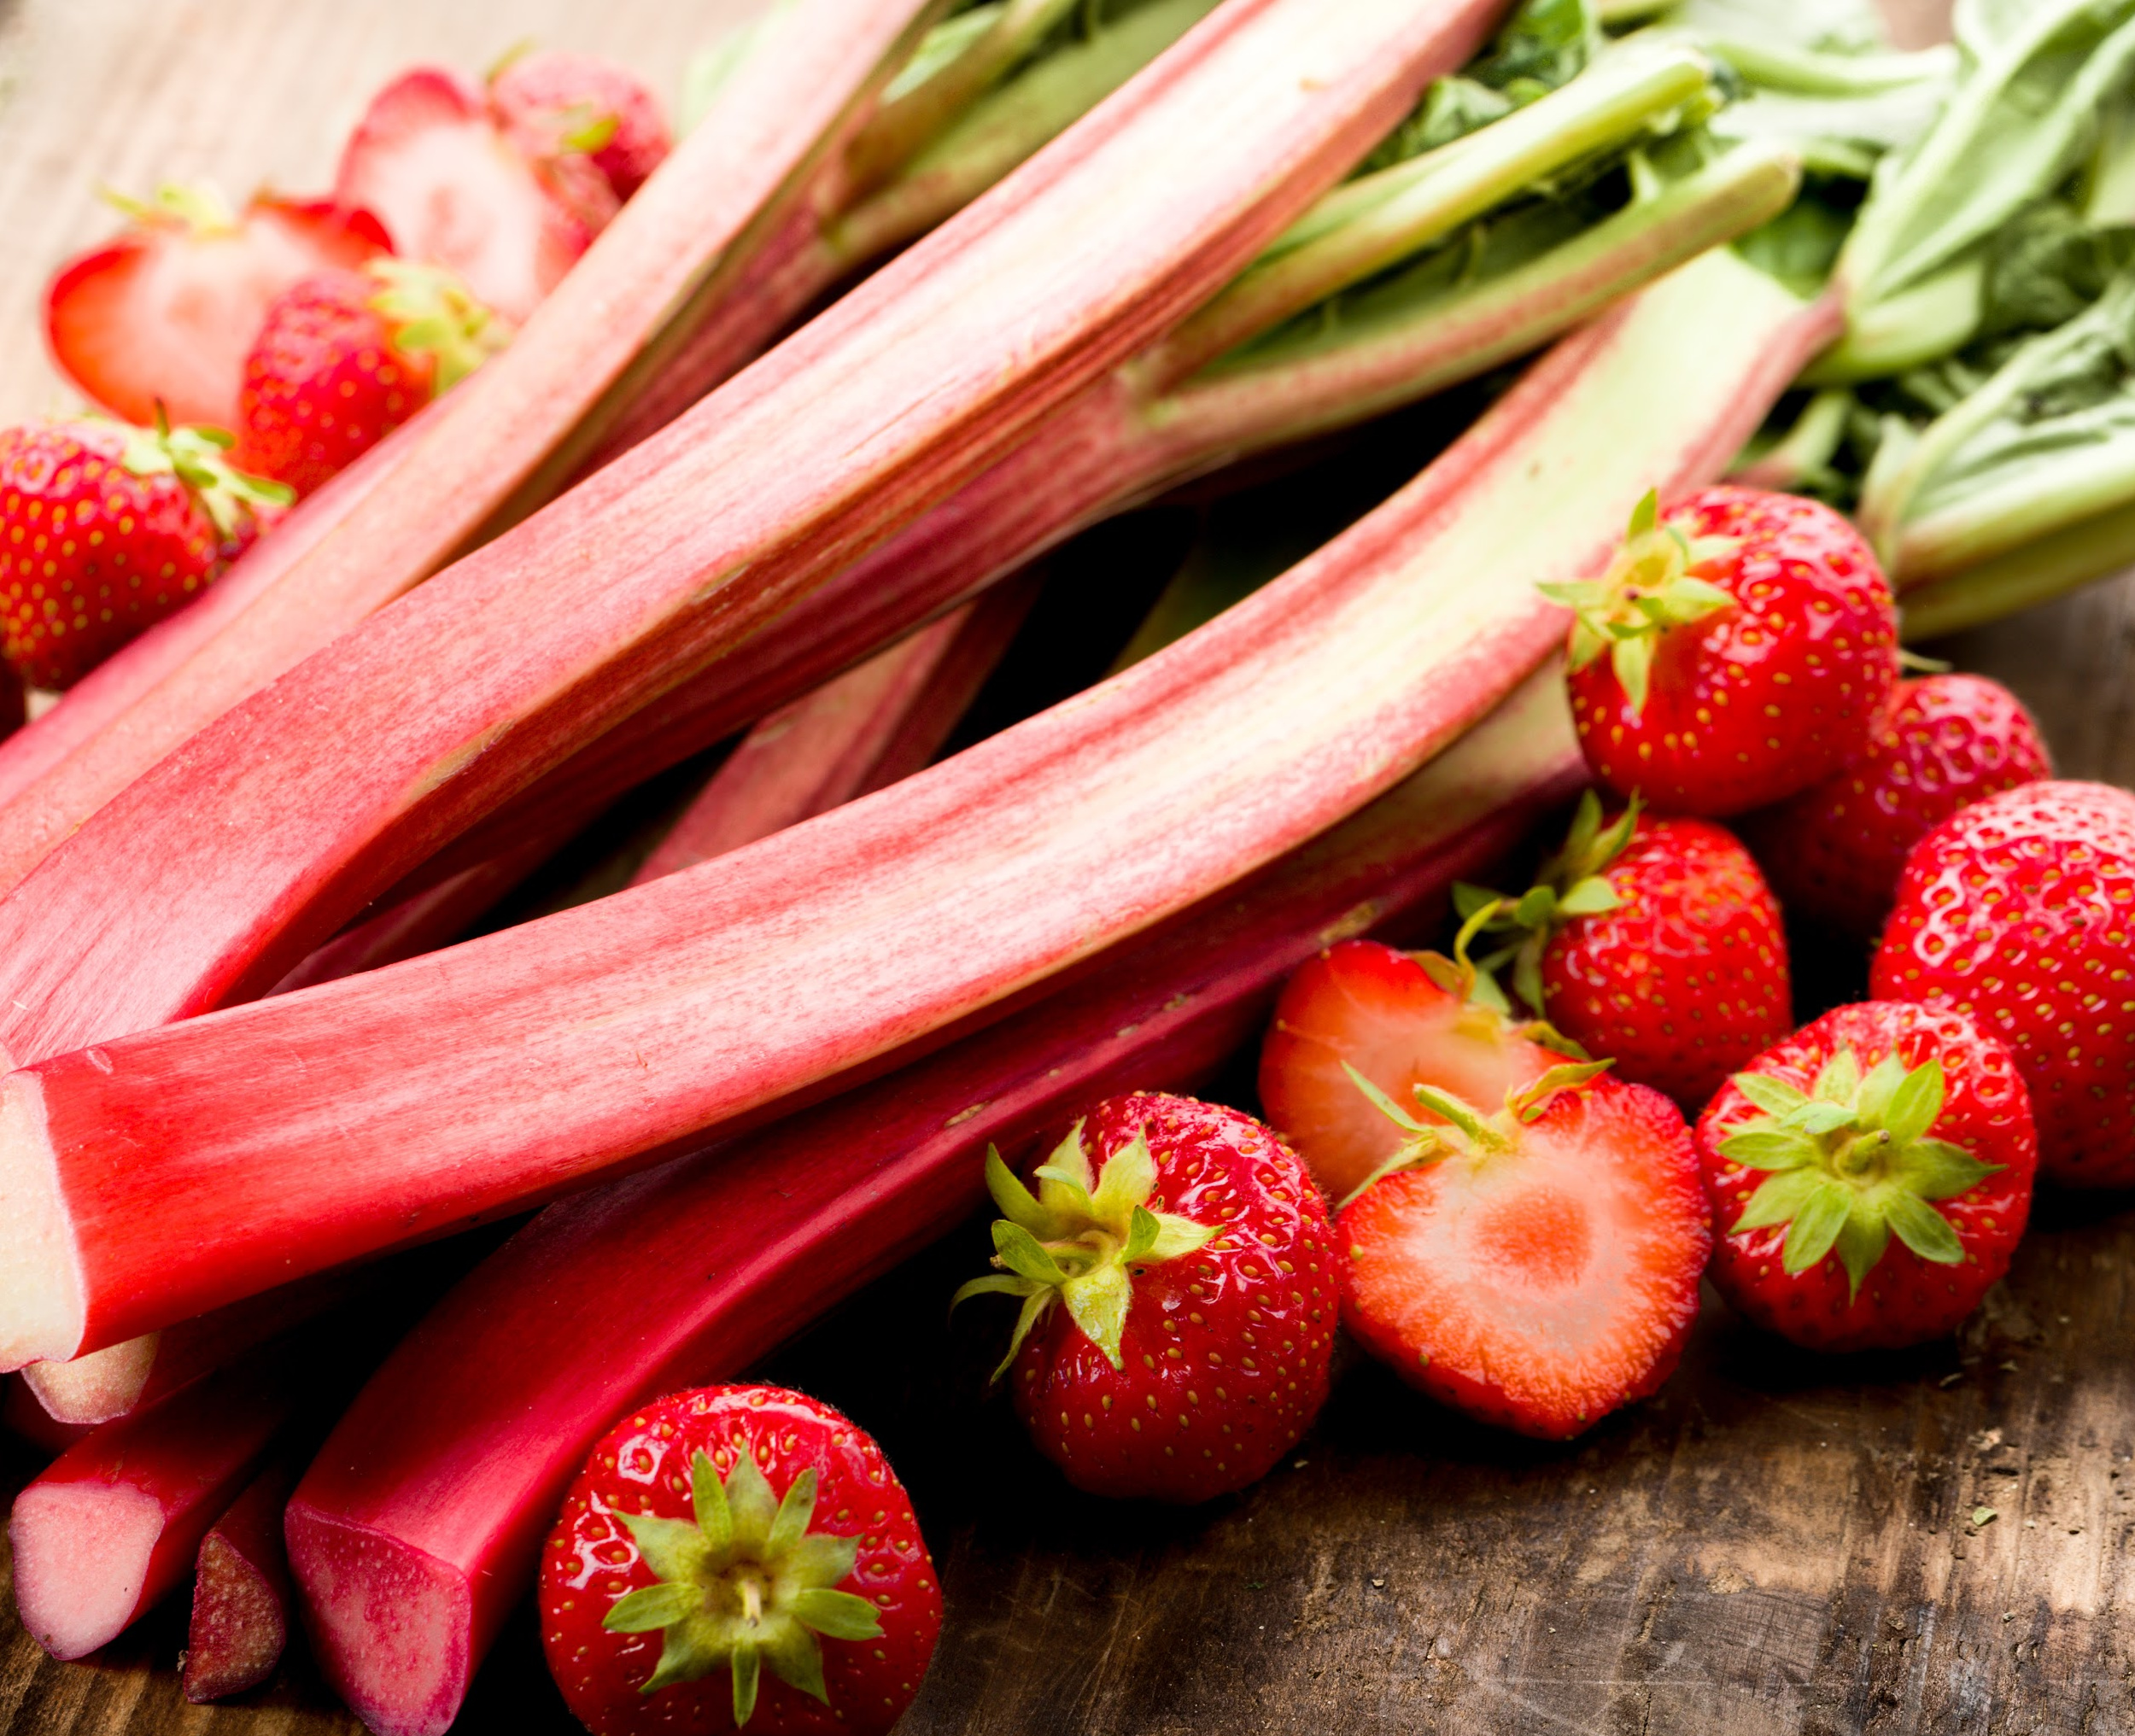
{"x":1492,"y":288}
{"x":704,"y":267}
{"x":282,"y":819}
{"x":269,"y":1141}
{"x":416,"y":1528}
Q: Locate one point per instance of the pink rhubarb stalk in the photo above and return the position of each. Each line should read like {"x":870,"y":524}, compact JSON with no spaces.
{"x":112,"y":1524}
{"x":417,"y":1527}
{"x":268,"y":1141}
{"x":276,"y":823}
{"x":671,"y":264}
{"x":241,"y":1595}
{"x":876,"y":723}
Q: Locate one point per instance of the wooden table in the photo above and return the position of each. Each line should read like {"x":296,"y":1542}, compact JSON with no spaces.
{"x":1776,"y":1544}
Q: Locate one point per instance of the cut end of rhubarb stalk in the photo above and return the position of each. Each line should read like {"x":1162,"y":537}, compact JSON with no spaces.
{"x":239,"y":1625}
{"x":54,"y":1530}
{"x":97,"y":1386}
{"x":389,"y":1623}
{"x":41,"y":1311}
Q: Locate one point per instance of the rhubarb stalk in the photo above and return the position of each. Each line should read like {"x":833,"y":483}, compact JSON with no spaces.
{"x":418,"y":1525}
{"x":276,"y":823}
{"x":112,"y":1524}
{"x":241,"y":1595}
{"x":302,"y":1132}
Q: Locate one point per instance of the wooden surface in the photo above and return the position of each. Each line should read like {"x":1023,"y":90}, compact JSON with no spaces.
{"x":1777,"y":1544}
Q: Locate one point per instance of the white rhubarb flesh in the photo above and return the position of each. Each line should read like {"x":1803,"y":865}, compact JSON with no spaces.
{"x":267,"y":1141}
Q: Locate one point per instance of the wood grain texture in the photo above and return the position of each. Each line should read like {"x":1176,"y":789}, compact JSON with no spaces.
{"x":1777,"y":1544}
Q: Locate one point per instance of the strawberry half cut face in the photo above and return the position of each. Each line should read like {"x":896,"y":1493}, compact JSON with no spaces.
{"x":1536,"y":1268}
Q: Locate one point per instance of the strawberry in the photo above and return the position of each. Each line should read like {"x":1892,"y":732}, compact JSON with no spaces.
{"x":1194,"y":1262}
{"x":105,"y":529}
{"x":737,"y":1555}
{"x":1400,"y":1020}
{"x":1537,"y":1267}
{"x":1652,"y":940}
{"x":344,"y":358}
{"x":557,"y":107}
{"x":1873,"y":1173}
{"x":2016,"y":910}
{"x":1752,"y":647}
{"x":163,"y":313}
{"x":453,"y":190}
{"x":1835,"y":850}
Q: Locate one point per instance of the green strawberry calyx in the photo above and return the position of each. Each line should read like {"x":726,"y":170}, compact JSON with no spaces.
{"x":431,"y":313}
{"x":1851,"y":1162}
{"x":1463,"y":1130}
{"x":198,"y":207}
{"x":1651,"y":585}
{"x":1571,"y":883}
{"x":743,"y":1584}
{"x":1079,"y":1239}
{"x":199,"y":458}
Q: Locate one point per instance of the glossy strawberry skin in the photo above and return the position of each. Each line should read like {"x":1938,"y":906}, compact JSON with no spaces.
{"x":1762,"y":698}
{"x":642,"y":1465}
{"x":164,"y":313}
{"x":541,"y":98}
{"x":1226,"y":1351}
{"x":1687,"y":979}
{"x":1365,"y":1004}
{"x":1537,"y":1290}
{"x":1904,"y":1300}
{"x":2016,"y":910}
{"x":91,"y":554}
{"x":1835,"y":851}
{"x":323,"y":382}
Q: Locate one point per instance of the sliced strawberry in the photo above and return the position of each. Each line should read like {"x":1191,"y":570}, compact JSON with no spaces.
{"x":559,"y":106}
{"x":453,"y":190}
{"x":165,"y":311}
{"x":1364,"y":1005}
{"x":1536,"y":1274}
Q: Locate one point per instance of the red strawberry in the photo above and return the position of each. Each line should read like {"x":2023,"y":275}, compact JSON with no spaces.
{"x":1196,"y":1269}
{"x":737,"y":1555}
{"x":105,"y":529}
{"x":1654,"y":941}
{"x":557,"y":106}
{"x":163,"y":313}
{"x":2016,"y":910}
{"x":453,"y":190}
{"x":344,"y":358}
{"x":1536,"y":1268}
{"x":1871,"y":1176}
{"x":1752,"y":647}
{"x":1835,"y":850}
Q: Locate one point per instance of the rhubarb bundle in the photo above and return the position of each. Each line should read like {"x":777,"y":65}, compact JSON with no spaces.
{"x":404,"y":1102}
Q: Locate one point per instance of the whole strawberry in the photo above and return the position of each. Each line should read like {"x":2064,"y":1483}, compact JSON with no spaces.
{"x":737,"y":1555}
{"x":1179,"y":1299}
{"x":1537,"y":1267}
{"x":1870,"y":1177}
{"x":1399,"y":1019}
{"x":1835,"y":850}
{"x":2016,"y":910}
{"x":1752,"y":648}
{"x":555,"y":105}
{"x":105,"y":529}
{"x":344,"y":358}
{"x":1654,"y":941}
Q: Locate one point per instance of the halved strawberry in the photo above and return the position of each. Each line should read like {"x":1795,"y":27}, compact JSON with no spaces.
{"x":453,"y":190}
{"x":1536,"y":1268}
{"x":164,"y":311}
{"x":1362,"y":1004}
{"x":560,"y":106}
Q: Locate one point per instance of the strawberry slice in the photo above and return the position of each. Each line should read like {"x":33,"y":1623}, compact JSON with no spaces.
{"x":1537,"y":1268}
{"x":453,"y":190}
{"x":165,"y":311}
{"x":1362,"y":1004}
